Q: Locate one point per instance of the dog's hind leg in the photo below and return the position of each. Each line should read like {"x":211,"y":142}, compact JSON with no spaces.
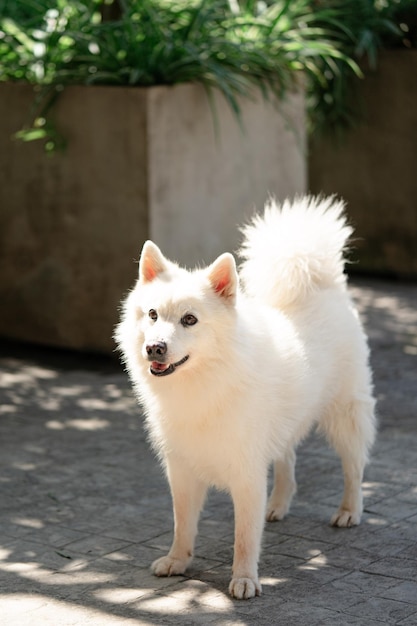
{"x":188,"y":495}
{"x":284,"y":487}
{"x":351,"y":430}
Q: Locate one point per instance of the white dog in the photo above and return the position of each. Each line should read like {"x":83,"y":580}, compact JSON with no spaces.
{"x":232,"y":381}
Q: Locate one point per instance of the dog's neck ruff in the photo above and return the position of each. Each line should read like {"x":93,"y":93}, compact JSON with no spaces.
{"x":163,"y":369}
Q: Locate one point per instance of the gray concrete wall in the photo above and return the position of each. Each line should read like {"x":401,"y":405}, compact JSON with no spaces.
{"x":70,"y":224}
{"x":375,"y":167}
{"x":205,"y":181}
{"x":139,"y":163}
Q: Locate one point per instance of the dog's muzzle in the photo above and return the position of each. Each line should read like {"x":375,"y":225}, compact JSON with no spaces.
{"x":156,"y":354}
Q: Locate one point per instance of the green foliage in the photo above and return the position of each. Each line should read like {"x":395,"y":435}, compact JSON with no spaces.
{"x":235,"y":46}
{"x":372,"y":25}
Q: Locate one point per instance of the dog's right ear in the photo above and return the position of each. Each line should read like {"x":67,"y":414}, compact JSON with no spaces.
{"x":152,"y":262}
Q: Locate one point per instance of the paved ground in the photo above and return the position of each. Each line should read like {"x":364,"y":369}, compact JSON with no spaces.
{"x":84,"y":507}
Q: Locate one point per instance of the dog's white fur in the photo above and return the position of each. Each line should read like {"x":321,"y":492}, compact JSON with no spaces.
{"x":265,"y":365}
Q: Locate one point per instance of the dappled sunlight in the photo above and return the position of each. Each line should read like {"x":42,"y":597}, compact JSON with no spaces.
{"x":74,"y":403}
{"x":69,"y":391}
{"x":395,"y":316}
{"x":76,"y":576}
{"x":24,"y":467}
{"x":5,"y":553}
{"x":370,"y":488}
{"x":28,"y":522}
{"x":99,"y":404}
{"x":27,"y":569}
{"x":273,"y":581}
{"x":25,"y":375}
{"x":26,"y":563}
{"x":389,"y":313}
{"x":89,"y":424}
{"x":376,"y":521}
{"x":192,"y":597}
{"x":89,"y":586}
{"x":7,"y":408}
{"x":314,"y":564}
{"x":120,"y":595}
{"x":20,"y":609}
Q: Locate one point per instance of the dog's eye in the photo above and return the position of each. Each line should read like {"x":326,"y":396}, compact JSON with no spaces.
{"x":153,"y":315}
{"x":189,"y":320}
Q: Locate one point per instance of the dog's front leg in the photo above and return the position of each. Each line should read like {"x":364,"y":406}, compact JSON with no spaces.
{"x":249,"y":501}
{"x":188,"y":494}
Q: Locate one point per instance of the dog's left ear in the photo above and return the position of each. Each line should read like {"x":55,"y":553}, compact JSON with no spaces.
{"x":223,"y":277}
{"x":152,"y":262}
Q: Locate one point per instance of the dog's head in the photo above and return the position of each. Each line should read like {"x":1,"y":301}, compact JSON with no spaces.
{"x":179,"y":317}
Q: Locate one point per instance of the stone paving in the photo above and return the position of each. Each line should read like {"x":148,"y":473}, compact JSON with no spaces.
{"x":84,"y":506}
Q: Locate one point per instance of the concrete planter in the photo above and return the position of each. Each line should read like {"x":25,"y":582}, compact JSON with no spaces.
{"x":374,"y":168}
{"x":140,"y":163}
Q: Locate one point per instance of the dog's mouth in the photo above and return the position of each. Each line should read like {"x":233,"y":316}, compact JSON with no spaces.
{"x":163,"y":369}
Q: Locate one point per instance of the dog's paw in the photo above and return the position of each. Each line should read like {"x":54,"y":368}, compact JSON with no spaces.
{"x":279,"y":503}
{"x":167,"y":566}
{"x":344,"y":518}
{"x":276,"y":514}
{"x":276,"y":511}
{"x":244,"y":588}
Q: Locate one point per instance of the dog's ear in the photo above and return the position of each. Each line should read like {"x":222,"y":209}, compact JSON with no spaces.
{"x":223,"y":277}
{"x":152,"y":262}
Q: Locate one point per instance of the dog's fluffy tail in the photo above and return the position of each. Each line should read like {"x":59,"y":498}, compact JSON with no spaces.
{"x":294,"y":249}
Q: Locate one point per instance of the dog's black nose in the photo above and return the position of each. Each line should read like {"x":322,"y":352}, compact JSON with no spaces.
{"x":156,"y":350}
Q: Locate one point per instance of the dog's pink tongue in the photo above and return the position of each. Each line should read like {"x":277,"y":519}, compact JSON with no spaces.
{"x":159,"y":366}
